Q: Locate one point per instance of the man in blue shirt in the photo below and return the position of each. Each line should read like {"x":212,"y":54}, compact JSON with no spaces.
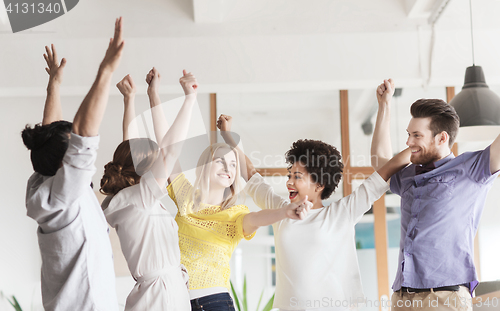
{"x":442,"y":199}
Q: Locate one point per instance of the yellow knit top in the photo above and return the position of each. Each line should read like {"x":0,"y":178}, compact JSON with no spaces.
{"x":207,"y":238}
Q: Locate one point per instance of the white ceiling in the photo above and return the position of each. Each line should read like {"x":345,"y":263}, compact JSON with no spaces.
{"x":262,"y":45}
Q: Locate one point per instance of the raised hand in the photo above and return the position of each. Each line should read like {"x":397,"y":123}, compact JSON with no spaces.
{"x":298,"y":210}
{"x":115,"y":48}
{"x":127,"y":86}
{"x":385,"y":91}
{"x":224,"y":123}
{"x":52,"y":110}
{"x":54,"y":69}
{"x":153,"y":80}
{"x":188,"y":83}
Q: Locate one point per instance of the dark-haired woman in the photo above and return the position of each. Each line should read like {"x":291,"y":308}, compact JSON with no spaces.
{"x":148,"y":233}
{"x":316,"y":262}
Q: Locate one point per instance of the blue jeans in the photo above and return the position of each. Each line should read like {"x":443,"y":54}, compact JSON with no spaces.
{"x":215,"y":302}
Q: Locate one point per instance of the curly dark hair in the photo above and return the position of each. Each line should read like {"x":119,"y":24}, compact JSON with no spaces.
{"x":321,"y":160}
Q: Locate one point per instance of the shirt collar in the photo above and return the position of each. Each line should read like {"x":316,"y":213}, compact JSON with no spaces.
{"x":438,"y":163}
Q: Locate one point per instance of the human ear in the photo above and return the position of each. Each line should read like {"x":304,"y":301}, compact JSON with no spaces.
{"x":319,"y":188}
{"x":443,"y":138}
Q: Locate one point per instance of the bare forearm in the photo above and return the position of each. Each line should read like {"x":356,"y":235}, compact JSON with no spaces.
{"x":381,"y":149}
{"x":247,"y":169}
{"x":394,"y":165}
{"x":172,"y":142}
{"x":254,"y":220}
{"x":128,"y":117}
{"x":160,"y":123}
{"x":52,"y":111}
{"x":495,"y":155}
{"x":89,"y":116}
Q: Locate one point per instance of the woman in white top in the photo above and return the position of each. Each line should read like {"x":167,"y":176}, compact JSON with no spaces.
{"x":316,"y":262}
{"x":148,"y":233}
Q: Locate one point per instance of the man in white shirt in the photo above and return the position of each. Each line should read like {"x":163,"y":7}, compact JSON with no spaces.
{"x":77,"y":264}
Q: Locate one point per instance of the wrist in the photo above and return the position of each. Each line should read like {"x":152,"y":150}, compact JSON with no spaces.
{"x":53,"y":85}
{"x":284,"y":211}
{"x":129,"y":97}
{"x":385,"y":104}
{"x":152,"y":92}
{"x":105,"y":69}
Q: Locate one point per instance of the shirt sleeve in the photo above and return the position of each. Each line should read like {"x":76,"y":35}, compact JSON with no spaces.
{"x":151,"y":192}
{"x":361,"y":200}
{"x":54,"y":199}
{"x":239,"y":225}
{"x":396,"y":183}
{"x":263,"y":194}
{"x":478,"y":166}
{"x":180,"y":191}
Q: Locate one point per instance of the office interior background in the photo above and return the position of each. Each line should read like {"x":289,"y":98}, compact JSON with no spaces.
{"x":284,"y":70}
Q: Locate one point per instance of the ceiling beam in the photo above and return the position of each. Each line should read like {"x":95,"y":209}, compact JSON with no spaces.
{"x":425,"y":9}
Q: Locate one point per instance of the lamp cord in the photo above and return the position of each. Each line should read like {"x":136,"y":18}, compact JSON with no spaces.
{"x":471,"y":33}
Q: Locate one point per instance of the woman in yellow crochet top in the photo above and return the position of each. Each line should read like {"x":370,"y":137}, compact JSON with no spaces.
{"x":211,"y":225}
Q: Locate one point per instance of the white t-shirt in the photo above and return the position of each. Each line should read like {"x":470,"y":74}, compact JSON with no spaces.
{"x":150,"y":243}
{"x":77,"y":261}
{"x":316,"y":262}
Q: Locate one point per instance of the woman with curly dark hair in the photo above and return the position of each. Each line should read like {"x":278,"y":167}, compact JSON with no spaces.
{"x":316,"y":261}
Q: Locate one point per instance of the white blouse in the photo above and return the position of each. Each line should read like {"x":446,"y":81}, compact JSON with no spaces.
{"x":316,"y":261}
{"x":77,"y":261}
{"x":149,"y":240}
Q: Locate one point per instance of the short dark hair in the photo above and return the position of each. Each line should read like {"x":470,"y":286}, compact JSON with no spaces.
{"x":321,"y":160}
{"x":48,"y":144}
{"x":443,"y":117}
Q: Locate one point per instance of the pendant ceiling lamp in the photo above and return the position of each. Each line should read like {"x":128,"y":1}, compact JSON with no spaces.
{"x":477,"y":106}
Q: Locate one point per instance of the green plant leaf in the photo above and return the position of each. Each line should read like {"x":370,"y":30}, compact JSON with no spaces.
{"x":236,"y":300}
{"x":260,"y":299}
{"x":15,"y":303}
{"x":269,"y":304}
{"x":245,"y":304}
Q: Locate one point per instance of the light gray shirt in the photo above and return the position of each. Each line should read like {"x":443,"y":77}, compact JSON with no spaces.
{"x":77,"y":262}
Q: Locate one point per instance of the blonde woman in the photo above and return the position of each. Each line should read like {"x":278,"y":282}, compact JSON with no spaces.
{"x":211,"y":224}
{"x":147,"y":231}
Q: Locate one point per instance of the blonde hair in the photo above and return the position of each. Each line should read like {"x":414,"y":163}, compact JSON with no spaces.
{"x":201,"y":186}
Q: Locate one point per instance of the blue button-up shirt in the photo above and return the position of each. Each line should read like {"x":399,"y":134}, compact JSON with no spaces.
{"x":440,"y":212}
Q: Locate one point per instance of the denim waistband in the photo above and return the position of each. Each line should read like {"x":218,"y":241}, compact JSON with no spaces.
{"x":202,"y":300}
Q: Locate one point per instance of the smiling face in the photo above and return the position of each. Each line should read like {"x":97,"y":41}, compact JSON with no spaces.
{"x":300,"y":184}
{"x":423,"y":144}
{"x":223,"y":168}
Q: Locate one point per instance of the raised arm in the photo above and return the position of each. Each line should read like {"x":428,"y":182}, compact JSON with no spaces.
{"x":128,"y":89}
{"x":160,"y":123}
{"x":224,"y":125}
{"x":89,"y":116}
{"x":394,"y":165}
{"x":381,"y":150}
{"x":252,"y":221}
{"x":495,"y":155}
{"x":52,"y":110}
{"x":171,"y":144}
